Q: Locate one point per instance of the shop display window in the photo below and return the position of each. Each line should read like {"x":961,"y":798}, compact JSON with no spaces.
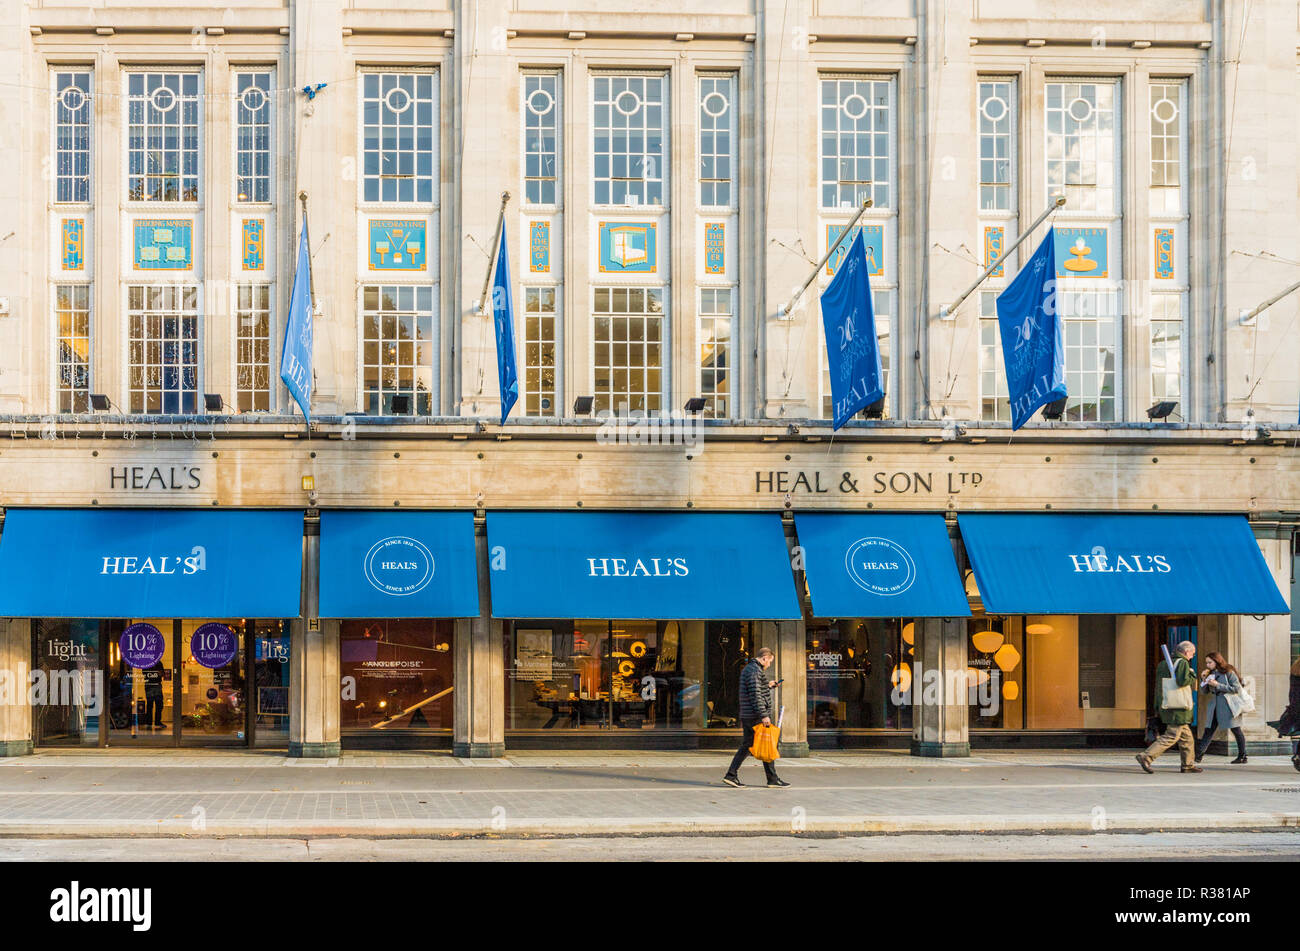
{"x":396,"y":675}
{"x":624,"y":674}
{"x":1057,"y":672}
{"x":854,"y":665}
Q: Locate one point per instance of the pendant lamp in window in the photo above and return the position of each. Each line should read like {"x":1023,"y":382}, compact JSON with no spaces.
{"x":986,"y":642}
{"x":1007,"y":658}
{"x":901,"y":678}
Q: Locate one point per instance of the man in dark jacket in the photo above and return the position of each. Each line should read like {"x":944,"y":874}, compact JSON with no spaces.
{"x":756,"y":707}
{"x":1177,"y":721}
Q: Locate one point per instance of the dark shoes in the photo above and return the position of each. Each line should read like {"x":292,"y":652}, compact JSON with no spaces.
{"x":1295,"y":761}
{"x":1145,"y":762}
{"x":735,"y":781}
{"x":1192,"y":769}
{"x":1239,"y":760}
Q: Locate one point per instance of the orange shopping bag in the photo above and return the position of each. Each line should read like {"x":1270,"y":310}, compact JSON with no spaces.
{"x":765,"y":740}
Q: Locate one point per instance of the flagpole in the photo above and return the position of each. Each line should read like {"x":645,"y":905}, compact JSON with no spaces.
{"x":848,"y":229}
{"x":311,"y":294}
{"x":492,"y":260}
{"x":1248,"y":316}
{"x":945,"y":312}
{"x":311,"y":278}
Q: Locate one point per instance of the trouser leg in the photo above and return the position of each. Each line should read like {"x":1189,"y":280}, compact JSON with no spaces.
{"x":1163,"y":742}
{"x":1207,"y":735}
{"x":1187,"y":746}
{"x":746,"y":741}
{"x":1239,"y":735}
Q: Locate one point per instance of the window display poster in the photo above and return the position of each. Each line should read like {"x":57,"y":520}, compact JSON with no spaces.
{"x":533,"y":655}
{"x":1097,"y":661}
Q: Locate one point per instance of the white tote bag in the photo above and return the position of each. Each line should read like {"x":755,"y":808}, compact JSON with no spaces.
{"x":1245,"y":696}
{"x":1235,"y":704}
{"x":1173,"y":697}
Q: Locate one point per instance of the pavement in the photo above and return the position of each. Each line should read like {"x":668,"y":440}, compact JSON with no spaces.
{"x":908,"y":847}
{"x":432,"y":795}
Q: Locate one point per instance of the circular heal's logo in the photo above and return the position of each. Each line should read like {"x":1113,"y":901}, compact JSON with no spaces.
{"x":880,"y":565}
{"x":399,"y":565}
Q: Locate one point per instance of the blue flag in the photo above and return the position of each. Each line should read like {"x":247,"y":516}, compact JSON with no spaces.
{"x":295,"y":360}
{"x":503,"y":316}
{"x":852,"y":351}
{"x":1033,"y":346}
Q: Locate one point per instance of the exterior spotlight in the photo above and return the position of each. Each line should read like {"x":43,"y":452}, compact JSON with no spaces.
{"x":875,"y":410}
{"x":582,"y":405}
{"x":1162,"y":409}
{"x":400,"y":405}
{"x":695,"y":404}
{"x":99,"y":403}
{"x":213,"y":403}
{"x":1054,"y":410}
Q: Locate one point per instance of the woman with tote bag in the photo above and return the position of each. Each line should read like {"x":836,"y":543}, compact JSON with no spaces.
{"x":1221,"y":682}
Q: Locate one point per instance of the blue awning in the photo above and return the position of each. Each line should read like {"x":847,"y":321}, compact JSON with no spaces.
{"x":398,"y":565}
{"x":880,"y":565}
{"x":1119,"y":564}
{"x":638,"y":566}
{"x":130,"y":563}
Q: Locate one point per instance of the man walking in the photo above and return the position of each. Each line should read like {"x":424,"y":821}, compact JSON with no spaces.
{"x":755,"y":707}
{"x":1178,"y":722}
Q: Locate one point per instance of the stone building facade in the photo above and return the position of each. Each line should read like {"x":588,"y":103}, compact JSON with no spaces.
{"x":674,"y":173}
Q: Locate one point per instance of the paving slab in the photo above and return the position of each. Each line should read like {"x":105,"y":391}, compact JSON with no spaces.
{"x":215,"y":794}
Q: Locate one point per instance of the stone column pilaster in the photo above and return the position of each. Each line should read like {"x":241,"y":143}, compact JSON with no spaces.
{"x":940,"y":717}
{"x":313,"y":666}
{"x":479,"y":726}
{"x":15,"y":668}
{"x":787,"y":639}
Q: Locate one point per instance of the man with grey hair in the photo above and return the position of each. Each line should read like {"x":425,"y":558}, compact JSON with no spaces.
{"x":1177,"y":721}
{"x":756,"y":706}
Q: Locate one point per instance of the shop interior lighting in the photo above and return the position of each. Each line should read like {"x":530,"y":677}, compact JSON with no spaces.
{"x":1007,"y":658}
{"x":901,"y":678}
{"x":986,"y":642}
